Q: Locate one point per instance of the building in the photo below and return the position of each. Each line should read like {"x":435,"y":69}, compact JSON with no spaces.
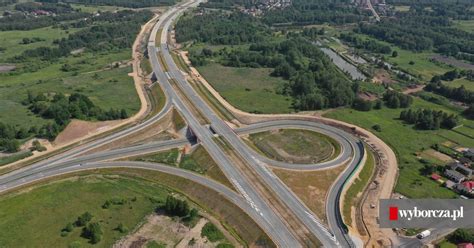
{"x":455,"y":176}
{"x":435,"y":176}
{"x":465,"y":245}
{"x":449,"y":184}
{"x":465,"y":186}
{"x":469,"y":153}
{"x":461,"y":168}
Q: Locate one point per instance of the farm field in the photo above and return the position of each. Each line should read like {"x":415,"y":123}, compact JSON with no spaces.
{"x":406,"y":142}
{"x":248,"y":89}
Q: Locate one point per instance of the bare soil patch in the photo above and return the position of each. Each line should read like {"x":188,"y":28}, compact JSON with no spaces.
{"x":311,"y":186}
{"x":382,"y":76}
{"x":7,"y":68}
{"x":79,"y":129}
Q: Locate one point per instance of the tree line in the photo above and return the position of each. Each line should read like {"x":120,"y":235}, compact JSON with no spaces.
{"x":459,"y":94}
{"x":370,"y":45}
{"x":427,"y":119}
{"x":121,"y":3}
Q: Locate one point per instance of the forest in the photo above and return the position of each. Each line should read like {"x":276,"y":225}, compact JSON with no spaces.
{"x":313,"y":80}
{"x":423,"y":29}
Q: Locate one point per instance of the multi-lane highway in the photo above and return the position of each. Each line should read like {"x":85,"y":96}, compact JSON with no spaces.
{"x":250,"y":200}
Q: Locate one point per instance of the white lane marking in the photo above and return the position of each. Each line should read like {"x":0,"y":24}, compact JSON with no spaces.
{"x":264,"y":167}
{"x":323,"y":228}
{"x":246,"y":196}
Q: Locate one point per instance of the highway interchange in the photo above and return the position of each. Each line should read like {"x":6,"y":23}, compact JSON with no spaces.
{"x":248,"y":198}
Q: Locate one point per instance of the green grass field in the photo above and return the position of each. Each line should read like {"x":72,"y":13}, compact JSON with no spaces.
{"x":248,"y":89}
{"x":107,"y":88}
{"x":461,"y":81}
{"x":10,"y":40}
{"x":406,"y":141}
{"x":296,"y":146}
{"x":466,"y":25}
{"x":198,"y":161}
{"x":423,"y":66}
{"x":36,"y":218}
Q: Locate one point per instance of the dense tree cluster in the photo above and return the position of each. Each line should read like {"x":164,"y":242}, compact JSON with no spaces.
{"x":62,"y":109}
{"x":176,"y":207}
{"x":395,"y":99}
{"x":93,"y":232}
{"x":462,"y":236}
{"x":83,"y":219}
{"x":306,"y":12}
{"x":469,"y":112}
{"x":220,"y":28}
{"x":427,"y":119}
{"x":9,"y":136}
{"x":422,"y":29}
{"x":362,"y":105}
{"x":370,"y":45}
{"x":459,"y":94}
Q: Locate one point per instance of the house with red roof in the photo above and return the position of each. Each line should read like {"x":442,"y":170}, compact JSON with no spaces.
{"x":435,"y":176}
{"x":466,"y":186}
{"x":465,"y":245}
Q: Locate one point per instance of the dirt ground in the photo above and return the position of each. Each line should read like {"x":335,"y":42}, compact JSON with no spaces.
{"x":165,"y":230}
{"x":413,"y":89}
{"x":311,"y":186}
{"x":437,"y":155}
{"x":79,"y":128}
{"x":382,"y":76}
{"x":161,"y":228}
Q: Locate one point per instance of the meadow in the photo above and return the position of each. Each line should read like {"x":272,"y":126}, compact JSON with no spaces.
{"x":248,"y":89}
{"x":407,"y":143}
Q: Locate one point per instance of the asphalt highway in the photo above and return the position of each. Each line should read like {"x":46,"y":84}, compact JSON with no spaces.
{"x":305,"y":215}
{"x":209,"y":183}
{"x":249,"y":199}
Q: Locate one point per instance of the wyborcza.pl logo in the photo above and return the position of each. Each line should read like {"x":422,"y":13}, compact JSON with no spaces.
{"x":433,"y":213}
